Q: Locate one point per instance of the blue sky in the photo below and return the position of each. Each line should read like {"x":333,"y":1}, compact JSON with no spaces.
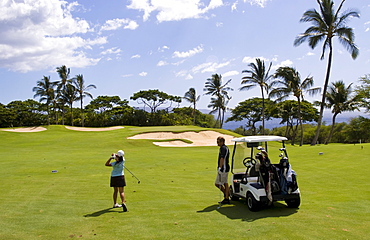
{"x":172,"y":45}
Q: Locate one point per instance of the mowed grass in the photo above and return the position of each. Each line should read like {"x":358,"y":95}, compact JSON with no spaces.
{"x":176,"y":198}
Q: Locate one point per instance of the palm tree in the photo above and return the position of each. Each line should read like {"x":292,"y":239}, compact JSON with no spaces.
{"x":70,"y":96}
{"x":291,"y":83}
{"x":63,"y":73}
{"x":258,"y":76}
{"x":326,"y":25}
{"x":45,"y":90}
{"x":338,"y":98}
{"x":191,"y":96}
{"x":218,"y":104}
{"x":214,"y":87}
{"x":81,"y":89}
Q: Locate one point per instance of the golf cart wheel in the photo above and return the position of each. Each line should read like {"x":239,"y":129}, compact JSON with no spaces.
{"x":293,"y":203}
{"x":252,"y":203}
{"x":232,"y":196}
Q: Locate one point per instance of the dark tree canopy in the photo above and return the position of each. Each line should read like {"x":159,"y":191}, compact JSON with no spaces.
{"x":154,"y":98}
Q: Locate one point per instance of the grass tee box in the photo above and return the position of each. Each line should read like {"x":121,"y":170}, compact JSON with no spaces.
{"x":260,"y":182}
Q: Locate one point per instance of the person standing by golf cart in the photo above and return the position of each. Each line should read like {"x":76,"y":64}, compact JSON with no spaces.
{"x":223,"y":169}
{"x":117,"y":180}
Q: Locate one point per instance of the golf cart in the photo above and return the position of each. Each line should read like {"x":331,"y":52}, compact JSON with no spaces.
{"x":256,"y":179}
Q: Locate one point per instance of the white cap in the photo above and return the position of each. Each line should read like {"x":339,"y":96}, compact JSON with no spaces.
{"x":120,"y":153}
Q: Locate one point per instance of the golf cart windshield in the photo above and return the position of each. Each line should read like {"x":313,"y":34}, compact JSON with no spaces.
{"x":246,"y":147}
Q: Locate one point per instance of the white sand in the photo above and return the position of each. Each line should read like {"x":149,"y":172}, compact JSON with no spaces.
{"x":203,"y":138}
{"x":85,"y":129}
{"x":26,"y":129}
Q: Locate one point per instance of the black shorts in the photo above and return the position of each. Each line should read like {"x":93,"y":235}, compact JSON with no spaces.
{"x":118,"y":181}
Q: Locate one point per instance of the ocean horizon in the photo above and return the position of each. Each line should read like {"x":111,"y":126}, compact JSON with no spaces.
{"x":275,"y":122}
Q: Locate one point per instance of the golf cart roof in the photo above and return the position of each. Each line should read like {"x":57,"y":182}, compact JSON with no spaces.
{"x":260,"y":138}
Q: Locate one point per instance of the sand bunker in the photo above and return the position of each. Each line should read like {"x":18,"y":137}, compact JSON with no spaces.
{"x":85,"y":129}
{"x":26,"y":129}
{"x":203,"y":138}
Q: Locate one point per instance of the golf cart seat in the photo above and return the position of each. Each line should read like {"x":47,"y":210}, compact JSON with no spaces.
{"x":252,"y":172}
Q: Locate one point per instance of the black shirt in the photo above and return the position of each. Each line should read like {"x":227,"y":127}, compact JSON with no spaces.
{"x":224,"y":153}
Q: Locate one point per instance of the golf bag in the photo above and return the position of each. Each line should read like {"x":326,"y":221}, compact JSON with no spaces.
{"x":288,"y":179}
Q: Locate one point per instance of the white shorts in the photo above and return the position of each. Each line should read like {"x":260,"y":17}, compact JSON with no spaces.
{"x":222,"y":178}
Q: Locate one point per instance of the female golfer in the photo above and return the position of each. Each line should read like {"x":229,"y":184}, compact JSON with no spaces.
{"x":117,"y":180}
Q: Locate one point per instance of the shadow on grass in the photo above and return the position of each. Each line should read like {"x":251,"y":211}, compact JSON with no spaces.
{"x":239,"y":210}
{"x":104,"y":211}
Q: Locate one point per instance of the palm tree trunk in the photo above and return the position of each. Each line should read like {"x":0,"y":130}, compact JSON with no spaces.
{"x":263,"y":111}
{"x":63,"y":114}
{"x":314,"y":141}
{"x":82,"y":115}
{"x":70,"y":107}
{"x":48,"y":110}
{"x":194,"y":112}
{"x":332,"y":128}
{"x":300,"y":122}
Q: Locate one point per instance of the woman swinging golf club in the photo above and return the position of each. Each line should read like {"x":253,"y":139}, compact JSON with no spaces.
{"x":117,"y":180}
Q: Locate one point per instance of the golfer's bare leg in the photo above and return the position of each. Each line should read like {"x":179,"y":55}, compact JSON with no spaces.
{"x":226,"y":190}
{"x":122,"y":194}
{"x":115,"y":195}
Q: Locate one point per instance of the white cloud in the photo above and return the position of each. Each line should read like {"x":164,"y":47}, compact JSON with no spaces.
{"x":173,"y":10}
{"x":189,"y":53}
{"x":367,"y":28}
{"x":164,"y":48}
{"x":285,"y":63}
{"x":230,"y":73}
{"x":143,"y":74}
{"x":136,"y":56}
{"x":261,"y":3}
{"x":119,"y":23}
{"x":212,"y":67}
{"x":249,"y":60}
{"x":114,"y":50}
{"x":234,"y":6}
{"x":162,"y":63}
{"x":39,"y":34}
{"x":185,"y":74}
{"x":219,"y":24}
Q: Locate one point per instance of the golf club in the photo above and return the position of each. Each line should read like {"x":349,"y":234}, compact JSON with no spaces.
{"x":138,"y":181}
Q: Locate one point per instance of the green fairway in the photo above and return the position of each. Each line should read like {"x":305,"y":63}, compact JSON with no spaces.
{"x":176,"y":198}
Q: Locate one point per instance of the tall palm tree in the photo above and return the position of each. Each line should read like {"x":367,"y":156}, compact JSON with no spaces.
{"x":214,"y":87}
{"x":82,"y":90}
{"x":63,"y":73}
{"x":327,"y":24}
{"x":289,"y":81}
{"x":258,"y":75}
{"x":191,"y":96}
{"x":69,"y":96}
{"x":218,"y":104}
{"x":338,"y":98}
{"x":45,"y":90}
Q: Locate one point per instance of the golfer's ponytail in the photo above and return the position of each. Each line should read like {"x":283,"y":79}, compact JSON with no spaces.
{"x":120,"y":159}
